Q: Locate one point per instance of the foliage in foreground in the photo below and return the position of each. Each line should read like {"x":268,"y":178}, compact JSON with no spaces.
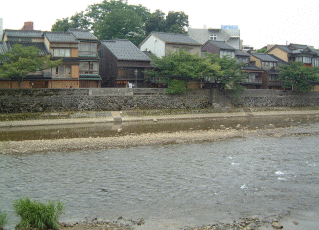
{"x":38,"y":215}
{"x":298,"y":77}
{"x":18,"y":62}
{"x":3,"y":219}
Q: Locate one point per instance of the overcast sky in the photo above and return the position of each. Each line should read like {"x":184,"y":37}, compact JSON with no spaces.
{"x":260,"y":22}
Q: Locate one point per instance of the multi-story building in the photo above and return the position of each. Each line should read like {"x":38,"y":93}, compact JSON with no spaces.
{"x":296,"y":52}
{"x":59,"y":45}
{"x":227,"y":34}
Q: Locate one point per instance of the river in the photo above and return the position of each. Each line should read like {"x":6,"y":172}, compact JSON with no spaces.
{"x":178,"y":185}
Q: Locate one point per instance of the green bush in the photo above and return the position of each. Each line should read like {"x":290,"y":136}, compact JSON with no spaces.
{"x":38,"y":215}
{"x":3,"y":219}
{"x":176,"y":87}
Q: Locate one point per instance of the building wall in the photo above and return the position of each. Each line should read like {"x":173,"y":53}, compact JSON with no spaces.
{"x":257,"y":61}
{"x":75,"y":71}
{"x":155,"y":45}
{"x":172,"y":48}
{"x":279,"y":53}
{"x":56,"y":84}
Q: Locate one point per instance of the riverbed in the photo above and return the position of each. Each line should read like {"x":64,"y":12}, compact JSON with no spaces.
{"x":203,"y":173}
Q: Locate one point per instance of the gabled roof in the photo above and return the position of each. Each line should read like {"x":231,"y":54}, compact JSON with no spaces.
{"x":125,"y":50}
{"x":265,"y":57}
{"x":175,"y":38}
{"x":296,"y":49}
{"x":40,"y":45}
{"x":242,"y":53}
{"x":60,"y":37}
{"x":24,"y":33}
{"x":221,"y":44}
{"x":83,"y":34}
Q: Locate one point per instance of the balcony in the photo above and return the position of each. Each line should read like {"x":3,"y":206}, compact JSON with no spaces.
{"x":252,"y":80}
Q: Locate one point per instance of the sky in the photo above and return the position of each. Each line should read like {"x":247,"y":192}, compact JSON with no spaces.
{"x":260,"y":23}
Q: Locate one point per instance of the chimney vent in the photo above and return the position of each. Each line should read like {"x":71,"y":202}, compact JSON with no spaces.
{"x":27,"y":26}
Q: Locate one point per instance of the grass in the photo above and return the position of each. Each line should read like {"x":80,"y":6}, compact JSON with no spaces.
{"x":38,"y":215}
{"x":3,"y":219}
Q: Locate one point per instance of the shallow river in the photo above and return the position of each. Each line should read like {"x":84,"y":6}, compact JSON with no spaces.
{"x":180,"y":184}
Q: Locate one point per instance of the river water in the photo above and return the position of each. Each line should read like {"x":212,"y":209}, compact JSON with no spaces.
{"x":178,"y":185}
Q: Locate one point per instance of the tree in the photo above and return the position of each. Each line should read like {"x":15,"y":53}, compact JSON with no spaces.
{"x":298,"y":77}
{"x":174,"y":22}
{"x":116,"y":19}
{"x":20,"y":61}
{"x":230,"y":74}
{"x":180,"y":66}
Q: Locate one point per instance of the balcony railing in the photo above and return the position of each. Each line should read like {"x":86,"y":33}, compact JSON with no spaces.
{"x":251,"y":80}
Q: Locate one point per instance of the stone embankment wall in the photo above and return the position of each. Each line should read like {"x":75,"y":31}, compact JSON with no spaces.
{"x":110,"y":99}
{"x":273,"y":98}
{"x":113,"y":99}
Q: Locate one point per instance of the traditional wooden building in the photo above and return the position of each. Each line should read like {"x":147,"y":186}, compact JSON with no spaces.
{"x":122,"y":64}
{"x":59,"y":45}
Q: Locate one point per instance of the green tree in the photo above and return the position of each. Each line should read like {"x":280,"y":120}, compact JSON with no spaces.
{"x":230,"y":74}
{"x":174,"y":22}
{"x":116,"y":19}
{"x":182,"y":66}
{"x":20,"y":61}
{"x":77,"y":21}
{"x":298,"y":77}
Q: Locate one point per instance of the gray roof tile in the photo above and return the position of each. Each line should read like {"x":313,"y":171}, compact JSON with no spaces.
{"x":24,"y":33}
{"x":125,"y":50}
{"x":175,"y":38}
{"x":222,"y":45}
{"x":40,"y":45}
{"x":60,"y":37}
{"x":265,"y":57}
{"x":83,"y":34}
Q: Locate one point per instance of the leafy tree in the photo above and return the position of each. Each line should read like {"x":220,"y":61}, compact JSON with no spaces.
{"x":174,"y":22}
{"x":116,"y":19}
{"x":230,"y":74}
{"x":298,"y":77}
{"x":20,"y":61}
{"x":182,"y":66}
{"x":156,"y":22}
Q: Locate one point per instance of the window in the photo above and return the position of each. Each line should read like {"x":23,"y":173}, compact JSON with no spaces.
{"x":89,"y":67}
{"x":62,"y":52}
{"x":213,"y":37}
{"x":61,"y":71}
{"x":86,"y":48}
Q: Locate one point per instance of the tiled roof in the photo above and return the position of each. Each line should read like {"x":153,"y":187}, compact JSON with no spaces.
{"x":252,"y":68}
{"x":265,"y":57}
{"x":40,"y":45}
{"x":125,"y":50}
{"x":24,"y":33}
{"x":60,"y":37}
{"x":83,"y":34}
{"x":242,"y":53}
{"x":222,"y":45}
{"x":176,"y":38}
{"x":232,"y":32}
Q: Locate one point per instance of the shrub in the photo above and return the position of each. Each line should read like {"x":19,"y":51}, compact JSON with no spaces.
{"x":3,"y":219}
{"x":176,"y":87}
{"x":38,"y":215}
